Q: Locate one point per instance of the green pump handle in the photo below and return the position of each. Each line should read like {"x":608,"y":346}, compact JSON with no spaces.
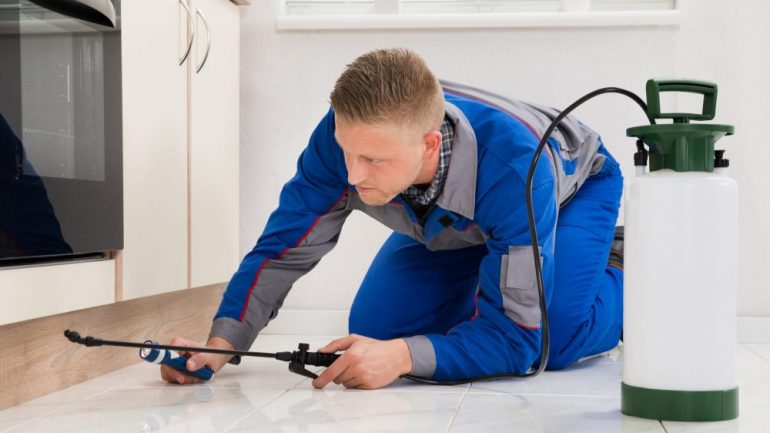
{"x":705,"y":88}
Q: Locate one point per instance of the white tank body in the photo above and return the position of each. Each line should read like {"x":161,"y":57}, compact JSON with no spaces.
{"x":680,"y":281}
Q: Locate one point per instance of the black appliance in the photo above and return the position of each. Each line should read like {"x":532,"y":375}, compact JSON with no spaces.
{"x":61,"y":165}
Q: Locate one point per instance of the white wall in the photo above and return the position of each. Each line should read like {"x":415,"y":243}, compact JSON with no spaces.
{"x":286,"y":78}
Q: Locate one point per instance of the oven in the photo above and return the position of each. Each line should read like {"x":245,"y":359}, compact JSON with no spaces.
{"x":61,"y":180}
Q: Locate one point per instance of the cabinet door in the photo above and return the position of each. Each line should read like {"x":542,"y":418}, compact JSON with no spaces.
{"x":155,"y":147}
{"x":214,"y":142}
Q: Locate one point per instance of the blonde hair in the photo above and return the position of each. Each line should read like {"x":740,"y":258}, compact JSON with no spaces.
{"x":389,"y":85}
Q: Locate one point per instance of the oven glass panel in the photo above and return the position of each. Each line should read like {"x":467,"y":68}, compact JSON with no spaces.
{"x":60,"y":133}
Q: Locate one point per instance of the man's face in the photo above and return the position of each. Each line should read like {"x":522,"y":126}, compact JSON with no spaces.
{"x":383,"y":159}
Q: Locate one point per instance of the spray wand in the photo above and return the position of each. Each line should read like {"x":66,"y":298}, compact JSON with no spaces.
{"x":152,"y":351}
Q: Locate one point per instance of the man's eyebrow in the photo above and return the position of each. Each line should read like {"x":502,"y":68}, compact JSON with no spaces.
{"x":364,"y":156}
{"x":336,"y":140}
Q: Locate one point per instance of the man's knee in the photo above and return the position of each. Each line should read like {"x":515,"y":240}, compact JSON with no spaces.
{"x":370,"y":325}
{"x":560,"y":361}
{"x":569,"y":339}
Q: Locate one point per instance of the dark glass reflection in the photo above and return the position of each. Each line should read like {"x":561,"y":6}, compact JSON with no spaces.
{"x":28,"y":225}
{"x":61,"y":167}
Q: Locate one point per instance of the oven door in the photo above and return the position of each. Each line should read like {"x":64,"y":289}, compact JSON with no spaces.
{"x":61,"y":187}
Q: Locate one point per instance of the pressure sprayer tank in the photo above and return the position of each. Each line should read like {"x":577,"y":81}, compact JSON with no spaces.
{"x":681,"y":228}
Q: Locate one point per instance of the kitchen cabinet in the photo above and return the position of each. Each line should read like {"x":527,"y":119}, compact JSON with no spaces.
{"x":154,"y":147}
{"x":180,"y":111}
{"x":214,"y":144}
{"x":180,"y":103}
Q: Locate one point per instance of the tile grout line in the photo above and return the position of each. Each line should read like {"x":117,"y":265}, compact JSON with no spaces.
{"x":457,"y":411}
{"x":755,"y":352}
{"x":663,"y":426}
{"x":251,"y":412}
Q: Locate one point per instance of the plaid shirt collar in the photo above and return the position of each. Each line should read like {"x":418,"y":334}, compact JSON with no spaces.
{"x":426,"y":196}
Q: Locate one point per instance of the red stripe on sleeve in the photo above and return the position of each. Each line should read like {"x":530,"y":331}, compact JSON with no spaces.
{"x":278,"y":257}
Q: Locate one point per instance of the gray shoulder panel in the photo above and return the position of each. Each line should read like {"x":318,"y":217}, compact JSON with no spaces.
{"x":391,"y":215}
{"x":577,"y":143}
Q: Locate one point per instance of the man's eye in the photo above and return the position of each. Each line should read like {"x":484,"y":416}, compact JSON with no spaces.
{"x":371,"y":160}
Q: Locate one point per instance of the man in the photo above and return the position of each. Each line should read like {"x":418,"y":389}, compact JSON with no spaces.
{"x":451,"y":294}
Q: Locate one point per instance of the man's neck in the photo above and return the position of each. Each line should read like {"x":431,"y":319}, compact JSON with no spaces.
{"x":428,"y":172}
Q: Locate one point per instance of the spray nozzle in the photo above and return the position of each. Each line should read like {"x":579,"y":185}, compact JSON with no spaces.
{"x":719,"y":159}
{"x":89,"y":341}
{"x":640,"y":157}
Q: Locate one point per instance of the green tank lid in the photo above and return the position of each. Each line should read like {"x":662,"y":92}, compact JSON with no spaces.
{"x":681,"y":146}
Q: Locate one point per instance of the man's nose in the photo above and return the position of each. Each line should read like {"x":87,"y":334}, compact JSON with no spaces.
{"x":356,"y":171}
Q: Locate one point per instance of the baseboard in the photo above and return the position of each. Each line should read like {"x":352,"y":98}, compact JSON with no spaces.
{"x":335,"y":322}
{"x":754,"y":330}
{"x":37,"y":359}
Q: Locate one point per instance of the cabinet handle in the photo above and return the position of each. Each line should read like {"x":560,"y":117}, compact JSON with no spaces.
{"x":94,"y":11}
{"x":192,"y":32}
{"x":208,"y":42}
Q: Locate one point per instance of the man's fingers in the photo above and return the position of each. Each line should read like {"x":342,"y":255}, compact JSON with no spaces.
{"x":165,"y":375}
{"x":339,"y":344}
{"x":179,"y":341}
{"x":197,"y":361}
{"x":171,"y":375}
{"x":346,"y":376}
{"x":353,"y":383}
{"x":332,"y":372}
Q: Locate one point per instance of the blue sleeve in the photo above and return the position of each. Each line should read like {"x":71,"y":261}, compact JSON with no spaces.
{"x":304,"y":227}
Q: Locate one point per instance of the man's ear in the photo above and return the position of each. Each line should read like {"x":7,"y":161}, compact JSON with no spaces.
{"x":432,"y":142}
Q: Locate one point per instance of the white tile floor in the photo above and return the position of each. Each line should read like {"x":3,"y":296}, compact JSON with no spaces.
{"x":262,"y":396}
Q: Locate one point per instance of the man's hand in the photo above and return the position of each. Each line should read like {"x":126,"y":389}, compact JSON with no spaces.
{"x":366,"y":363}
{"x":196,"y":360}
